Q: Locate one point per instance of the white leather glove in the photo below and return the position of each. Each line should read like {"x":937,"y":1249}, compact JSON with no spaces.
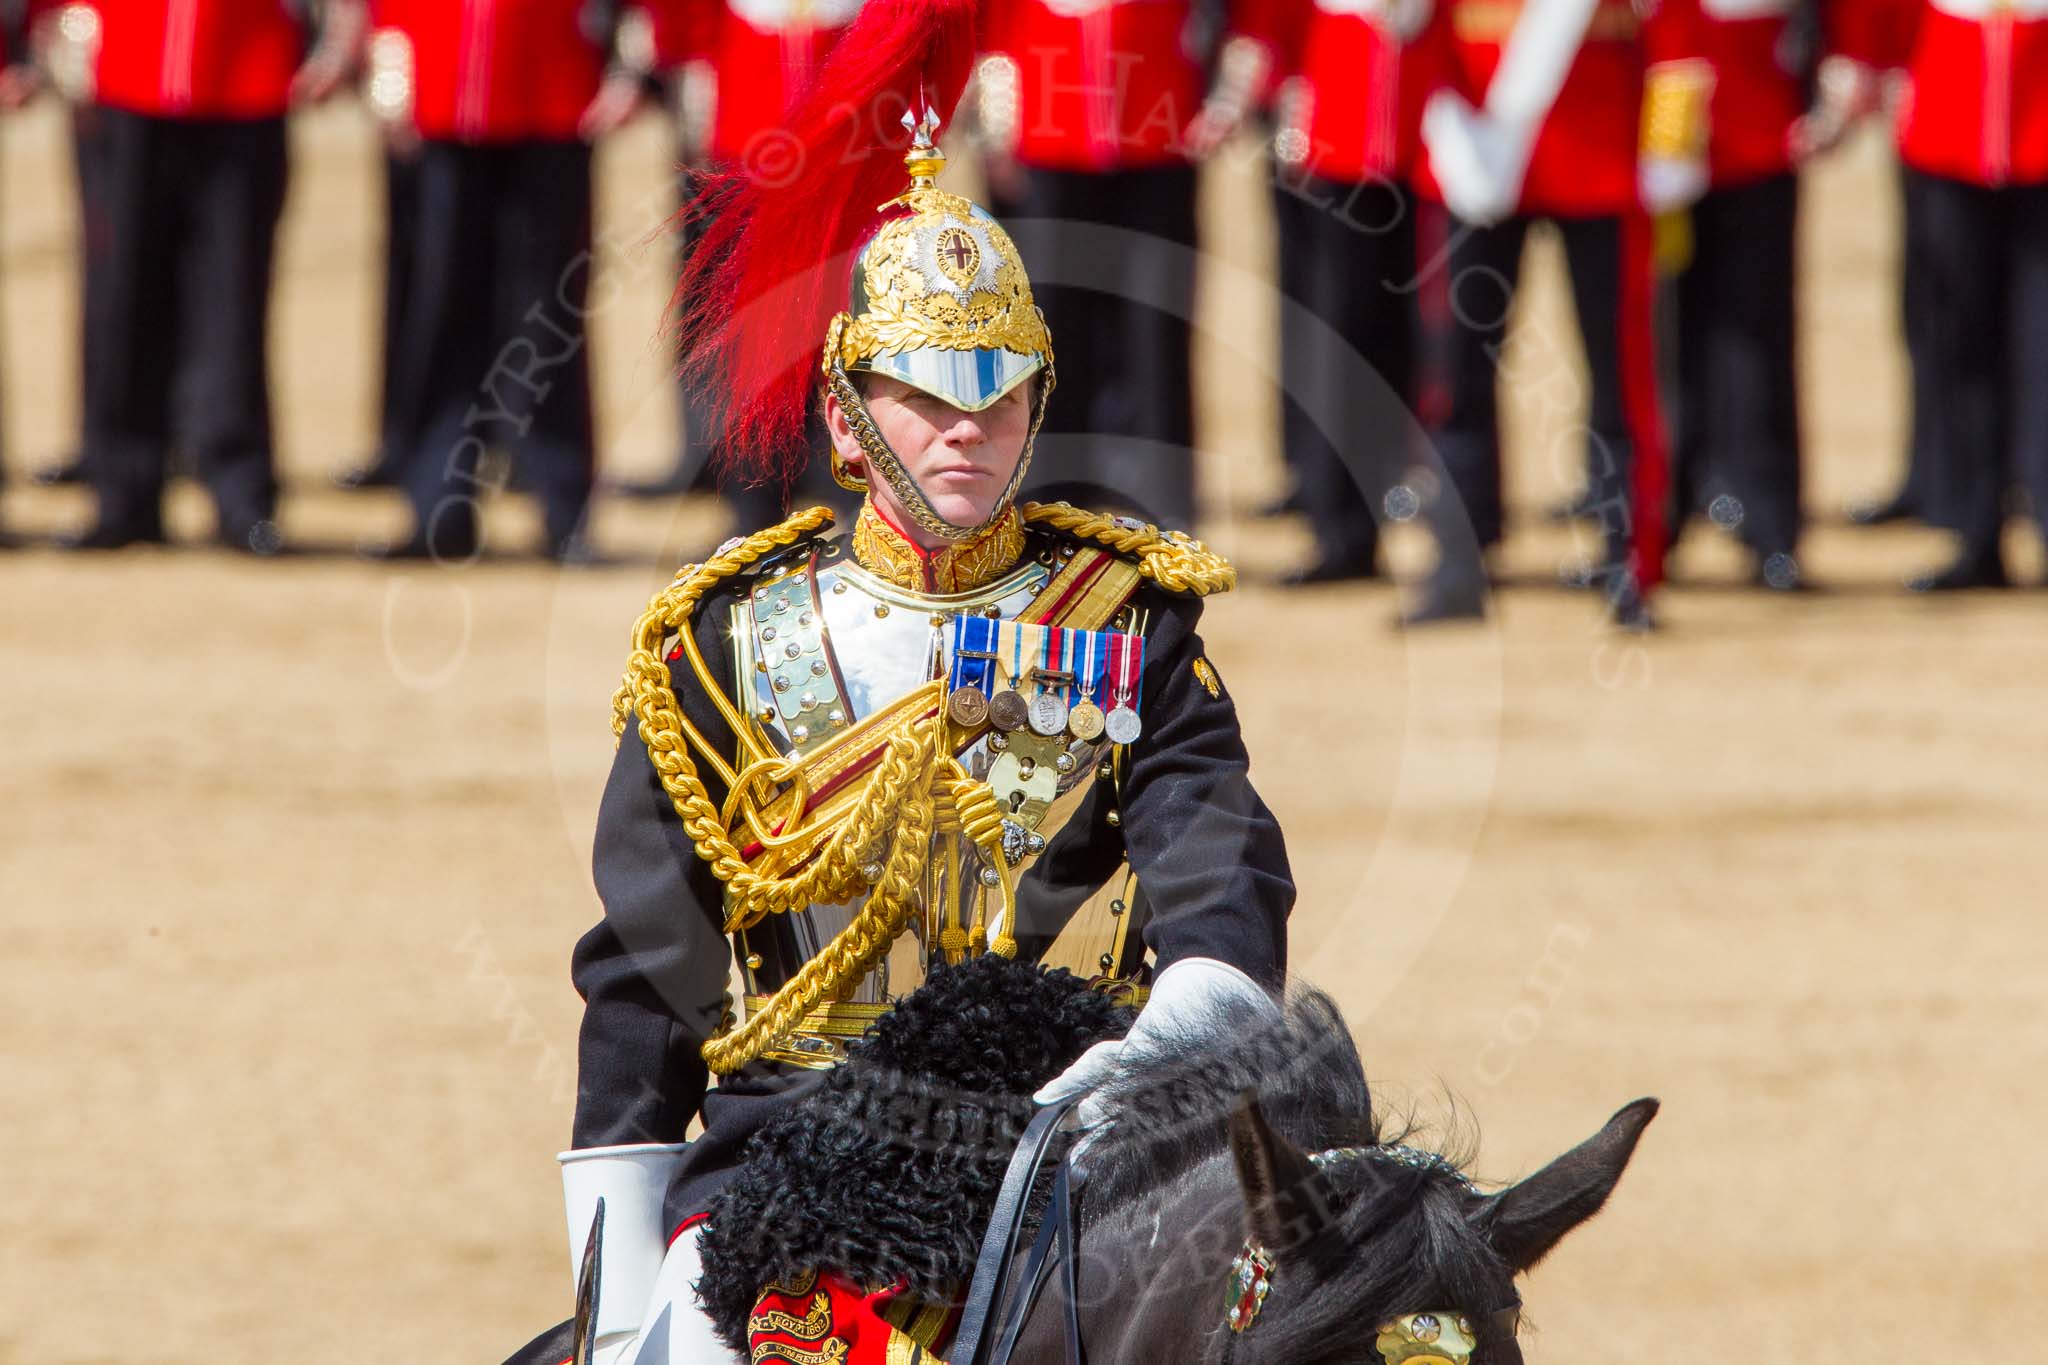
{"x":1670,"y":183}
{"x":1478,"y":161}
{"x":633,"y":1182}
{"x":1480,"y":156}
{"x":1846,"y":91}
{"x":1183,"y":996}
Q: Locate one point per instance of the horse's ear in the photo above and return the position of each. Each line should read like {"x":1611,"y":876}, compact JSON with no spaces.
{"x":1527,"y":1219}
{"x":1277,"y":1178}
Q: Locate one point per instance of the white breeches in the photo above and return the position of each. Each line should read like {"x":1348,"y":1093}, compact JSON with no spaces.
{"x":673,"y":1330}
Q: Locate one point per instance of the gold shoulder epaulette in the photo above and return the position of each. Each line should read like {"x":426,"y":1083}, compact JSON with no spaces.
{"x":1174,"y":560}
{"x":673,"y":608}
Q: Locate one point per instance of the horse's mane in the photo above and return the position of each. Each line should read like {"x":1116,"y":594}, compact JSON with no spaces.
{"x":1398,"y":1232}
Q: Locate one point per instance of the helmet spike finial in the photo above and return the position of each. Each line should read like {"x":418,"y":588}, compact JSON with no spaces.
{"x":923,"y":160}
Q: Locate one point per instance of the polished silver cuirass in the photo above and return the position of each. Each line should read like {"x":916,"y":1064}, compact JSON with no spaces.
{"x":821,"y":643}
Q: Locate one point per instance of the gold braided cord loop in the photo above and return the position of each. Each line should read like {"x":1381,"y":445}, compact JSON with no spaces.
{"x":833,"y":875}
{"x":1172,"y":559}
{"x":889,"y":831}
{"x":917,"y":778}
{"x":855,"y":950}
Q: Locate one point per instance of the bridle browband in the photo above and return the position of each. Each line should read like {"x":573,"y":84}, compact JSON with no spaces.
{"x":1426,"y":1337}
{"x":996,"y":1310}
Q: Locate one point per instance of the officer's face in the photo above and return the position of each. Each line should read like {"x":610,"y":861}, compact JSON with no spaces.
{"x":962,"y":460}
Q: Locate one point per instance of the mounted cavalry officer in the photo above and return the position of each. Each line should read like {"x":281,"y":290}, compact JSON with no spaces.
{"x":970,"y":726}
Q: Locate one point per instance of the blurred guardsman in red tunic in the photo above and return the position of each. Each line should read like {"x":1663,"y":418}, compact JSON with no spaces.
{"x":1093,"y":113}
{"x":1275,"y":26}
{"x":1737,"y":442}
{"x":386,"y":71}
{"x":191,"y":98}
{"x":1973,"y":137}
{"x":496,"y":351}
{"x":1544,"y":113}
{"x":1344,"y":146}
{"x":740,"y":65}
{"x":1846,"y":90}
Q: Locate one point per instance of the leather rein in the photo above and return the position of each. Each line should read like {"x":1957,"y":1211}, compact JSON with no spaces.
{"x":995,"y":1312}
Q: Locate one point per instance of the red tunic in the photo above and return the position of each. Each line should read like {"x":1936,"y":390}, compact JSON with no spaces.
{"x":1101,"y":84}
{"x":493,"y":71}
{"x":679,"y":30}
{"x":1756,"y":99}
{"x":1351,"y":108}
{"x":1976,"y":107}
{"x":763,"y":54}
{"x":1585,"y":156}
{"x":201,"y":59}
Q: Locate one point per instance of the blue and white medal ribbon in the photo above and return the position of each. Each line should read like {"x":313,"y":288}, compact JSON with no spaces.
{"x":1084,"y":718}
{"x":974,"y":659}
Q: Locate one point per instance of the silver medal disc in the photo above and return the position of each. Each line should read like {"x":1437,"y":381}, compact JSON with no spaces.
{"x":1122,"y":725}
{"x":1048,"y":714}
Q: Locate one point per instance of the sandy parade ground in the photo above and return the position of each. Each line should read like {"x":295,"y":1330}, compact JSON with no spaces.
{"x":293,"y":854}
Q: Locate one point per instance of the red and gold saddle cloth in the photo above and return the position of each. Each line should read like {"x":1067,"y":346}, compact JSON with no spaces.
{"x":829,"y":1320}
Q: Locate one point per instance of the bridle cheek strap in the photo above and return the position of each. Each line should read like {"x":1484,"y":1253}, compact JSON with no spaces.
{"x":1499,"y":1337}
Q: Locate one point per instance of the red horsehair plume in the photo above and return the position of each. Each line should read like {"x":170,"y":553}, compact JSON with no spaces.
{"x":776,"y":256}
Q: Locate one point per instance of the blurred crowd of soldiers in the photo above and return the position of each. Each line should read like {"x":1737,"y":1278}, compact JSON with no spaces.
{"x":1413,"y":145}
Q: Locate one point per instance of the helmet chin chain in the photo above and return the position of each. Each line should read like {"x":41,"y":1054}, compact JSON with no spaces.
{"x":883,"y":459}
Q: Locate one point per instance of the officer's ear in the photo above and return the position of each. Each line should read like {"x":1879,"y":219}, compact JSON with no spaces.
{"x":841,"y":432}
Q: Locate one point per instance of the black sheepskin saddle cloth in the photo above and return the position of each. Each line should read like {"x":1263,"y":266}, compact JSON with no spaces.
{"x":888,"y":1171}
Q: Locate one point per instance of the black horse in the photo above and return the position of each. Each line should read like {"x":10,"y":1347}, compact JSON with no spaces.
{"x":1240,"y":1167}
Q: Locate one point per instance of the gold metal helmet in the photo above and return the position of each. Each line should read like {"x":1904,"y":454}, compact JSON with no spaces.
{"x":939,"y":301}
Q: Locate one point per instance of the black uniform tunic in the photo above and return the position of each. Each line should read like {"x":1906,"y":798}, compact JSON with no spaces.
{"x":654,"y":971}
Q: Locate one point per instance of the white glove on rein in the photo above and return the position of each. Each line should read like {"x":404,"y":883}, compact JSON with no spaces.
{"x":1183,"y":995}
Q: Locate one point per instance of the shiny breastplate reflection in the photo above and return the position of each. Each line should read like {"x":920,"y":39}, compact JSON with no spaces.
{"x":821,"y":643}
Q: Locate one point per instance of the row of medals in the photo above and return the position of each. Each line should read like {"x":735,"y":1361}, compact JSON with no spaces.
{"x":1047,"y":713}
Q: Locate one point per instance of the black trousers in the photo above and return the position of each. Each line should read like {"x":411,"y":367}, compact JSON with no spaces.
{"x":1737,"y":427}
{"x":183,"y":265}
{"x":87,"y":161}
{"x":1920,"y":492}
{"x":1118,"y":298}
{"x":1609,"y":264}
{"x":401,"y":213}
{"x":1354,"y":371}
{"x":495,"y":351}
{"x":1986,"y":275}
{"x":1293,"y":225}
